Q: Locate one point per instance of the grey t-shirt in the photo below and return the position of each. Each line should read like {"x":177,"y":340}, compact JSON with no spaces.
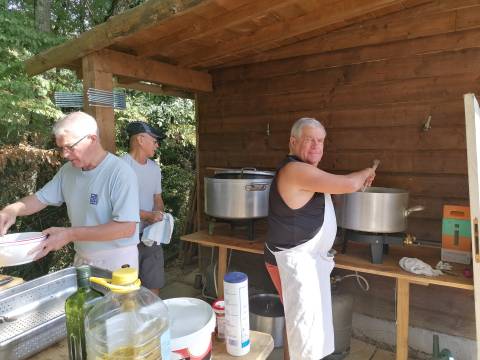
{"x":94,"y":197}
{"x":149,"y":178}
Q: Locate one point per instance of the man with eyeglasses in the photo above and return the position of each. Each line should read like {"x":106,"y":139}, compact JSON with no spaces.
{"x":101,"y":194}
{"x":143,"y":142}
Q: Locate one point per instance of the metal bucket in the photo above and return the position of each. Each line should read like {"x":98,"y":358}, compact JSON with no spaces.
{"x":266,"y":315}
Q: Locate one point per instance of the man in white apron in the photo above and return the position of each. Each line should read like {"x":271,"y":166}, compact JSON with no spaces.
{"x":301,"y":231}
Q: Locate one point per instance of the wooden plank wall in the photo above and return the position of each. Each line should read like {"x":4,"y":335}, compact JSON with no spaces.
{"x":374,"y":89}
{"x":373,"y":100}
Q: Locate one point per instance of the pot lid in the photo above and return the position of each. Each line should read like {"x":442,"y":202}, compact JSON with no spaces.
{"x":247,"y":171}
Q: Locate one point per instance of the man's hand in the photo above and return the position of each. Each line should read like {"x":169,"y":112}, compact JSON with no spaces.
{"x":155,"y":216}
{"x":27,"y":206}
{"x":7,"y":219}
{"x":57,"y":237}
{"x":370,"y":177}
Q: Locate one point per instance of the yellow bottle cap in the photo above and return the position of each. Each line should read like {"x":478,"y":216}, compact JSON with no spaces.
{"x":123,"y":281}
{"x":124,"y":276}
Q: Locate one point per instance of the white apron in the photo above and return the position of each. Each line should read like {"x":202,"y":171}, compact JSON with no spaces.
{"x":112,"y":259}
{"x":305,"y":277}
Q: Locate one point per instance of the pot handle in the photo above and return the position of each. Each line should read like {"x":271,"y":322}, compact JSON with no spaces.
{"x":257,"y":187}
{"x":413,"y":209}
{"x":246,"y":169}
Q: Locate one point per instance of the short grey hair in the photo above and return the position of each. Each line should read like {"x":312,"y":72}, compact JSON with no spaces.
{"x":77,"y":124}
{"x":298,"y":126}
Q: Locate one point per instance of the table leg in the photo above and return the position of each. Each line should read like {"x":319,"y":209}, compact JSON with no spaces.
{"x":403,"y":294}
{"x":222,"y":269}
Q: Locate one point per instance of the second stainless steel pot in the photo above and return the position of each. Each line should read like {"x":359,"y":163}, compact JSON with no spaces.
{"x":238,"y":194}
{"x":377,"y":210}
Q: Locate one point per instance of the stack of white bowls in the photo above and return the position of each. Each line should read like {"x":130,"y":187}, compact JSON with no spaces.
{"x":19,"y":248}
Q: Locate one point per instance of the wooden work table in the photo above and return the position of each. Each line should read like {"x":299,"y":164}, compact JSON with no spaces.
{"x":356,"y":258}
{"x":13,"y":282}
{"x":261,"y":347}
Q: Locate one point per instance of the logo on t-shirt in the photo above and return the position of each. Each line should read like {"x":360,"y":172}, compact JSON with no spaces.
{"x":93,"y":199}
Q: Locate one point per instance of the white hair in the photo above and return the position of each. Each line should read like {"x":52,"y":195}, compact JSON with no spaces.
{"x":301,"y":123}
{"x":77,"y":124}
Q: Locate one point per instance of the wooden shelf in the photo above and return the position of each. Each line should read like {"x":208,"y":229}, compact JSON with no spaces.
{"x":357,"y":258}
{"x":261,"y":346}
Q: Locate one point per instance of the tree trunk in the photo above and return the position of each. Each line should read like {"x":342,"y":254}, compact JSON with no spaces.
{"x":42,"y":15}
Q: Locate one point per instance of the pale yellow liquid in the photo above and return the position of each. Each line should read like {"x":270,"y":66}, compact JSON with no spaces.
{"x":133,"y":353}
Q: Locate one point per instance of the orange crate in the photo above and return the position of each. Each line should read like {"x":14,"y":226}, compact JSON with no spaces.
{"x":456,"y":212}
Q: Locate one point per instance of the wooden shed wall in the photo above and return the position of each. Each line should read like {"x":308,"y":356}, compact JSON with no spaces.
{"x":374,"y":101}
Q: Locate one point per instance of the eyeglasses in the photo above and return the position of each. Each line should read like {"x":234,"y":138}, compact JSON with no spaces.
{"x":154,"y":140}
{"x":70,"y":148}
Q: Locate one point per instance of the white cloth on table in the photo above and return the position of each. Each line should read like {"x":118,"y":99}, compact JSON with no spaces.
{"x":159,"y":232}
{"x":417,"y":266}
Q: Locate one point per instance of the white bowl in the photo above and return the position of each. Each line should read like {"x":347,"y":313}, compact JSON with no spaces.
{"x":15,"y":248}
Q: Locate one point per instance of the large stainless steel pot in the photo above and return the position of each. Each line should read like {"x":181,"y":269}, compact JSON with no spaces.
{"x":377,"y":210}
{"x":238,"y":194}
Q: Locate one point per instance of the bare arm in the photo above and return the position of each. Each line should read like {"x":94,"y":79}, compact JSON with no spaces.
{"x":157,"y":213}
{"x":59,"y":237}
{"x":298,"y":181}
{"x":158,"y":202}
{"x":26,"y":206}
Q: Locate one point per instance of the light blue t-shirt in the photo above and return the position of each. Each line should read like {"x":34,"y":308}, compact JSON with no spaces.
{"x":94,"y":197}
{"x":149,"y":178}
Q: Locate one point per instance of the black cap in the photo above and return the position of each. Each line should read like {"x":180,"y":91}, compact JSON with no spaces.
{"x":139,"y":127}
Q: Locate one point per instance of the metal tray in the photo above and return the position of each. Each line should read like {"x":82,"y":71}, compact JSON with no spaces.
{"x":32,"y":314}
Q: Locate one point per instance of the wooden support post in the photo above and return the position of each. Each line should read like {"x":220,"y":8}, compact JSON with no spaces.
{"x":95,"y":78}
{"x":222,"y":269}
{"x":403,"y":294}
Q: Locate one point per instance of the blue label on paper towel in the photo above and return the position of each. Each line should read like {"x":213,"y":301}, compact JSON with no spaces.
{"x":245,"y":343}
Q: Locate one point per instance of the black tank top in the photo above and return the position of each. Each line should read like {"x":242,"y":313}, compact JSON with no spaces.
{"x":287,"y":227}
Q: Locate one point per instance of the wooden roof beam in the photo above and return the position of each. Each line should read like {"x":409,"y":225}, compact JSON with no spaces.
{"x":268,"y":37}
{"x":208,"y":27}
{"x":154,"y":71}
{"x":101,"y":36}
{"x":152,"y":88}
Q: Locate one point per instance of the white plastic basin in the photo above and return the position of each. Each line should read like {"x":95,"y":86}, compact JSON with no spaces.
{"x":15,"y":248}
{"x":192,"y":322}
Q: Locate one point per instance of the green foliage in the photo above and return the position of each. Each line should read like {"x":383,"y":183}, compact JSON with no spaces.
{"x":26,"y":111}
{"x":25,"y":169}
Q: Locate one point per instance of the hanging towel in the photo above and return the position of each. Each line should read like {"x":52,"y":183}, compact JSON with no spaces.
{"x":160,"y":232}
{"x":417,"y":266}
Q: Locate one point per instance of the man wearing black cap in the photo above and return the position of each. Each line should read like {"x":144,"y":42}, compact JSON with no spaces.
{"x":142,"y":144}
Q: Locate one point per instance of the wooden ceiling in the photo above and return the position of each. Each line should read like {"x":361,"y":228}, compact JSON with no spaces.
{"x":201,"y":35}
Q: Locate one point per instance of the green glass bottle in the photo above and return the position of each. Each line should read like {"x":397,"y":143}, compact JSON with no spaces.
{"x":76,"y":307}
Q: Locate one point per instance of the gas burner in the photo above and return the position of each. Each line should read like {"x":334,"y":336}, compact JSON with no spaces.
{"x":239,"y":227}
{"x":379,"y":242}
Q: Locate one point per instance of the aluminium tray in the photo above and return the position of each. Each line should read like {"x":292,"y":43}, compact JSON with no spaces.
{"x":32,"y":314}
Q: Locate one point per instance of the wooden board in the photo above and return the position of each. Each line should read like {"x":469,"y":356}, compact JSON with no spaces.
{"x":357,"y":258}
{"x":16,"y":281}
{"x":224,"y":240}
{"x":261,"y":347}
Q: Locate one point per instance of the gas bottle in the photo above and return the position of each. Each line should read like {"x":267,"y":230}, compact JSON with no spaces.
{"x":130,"y":322}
